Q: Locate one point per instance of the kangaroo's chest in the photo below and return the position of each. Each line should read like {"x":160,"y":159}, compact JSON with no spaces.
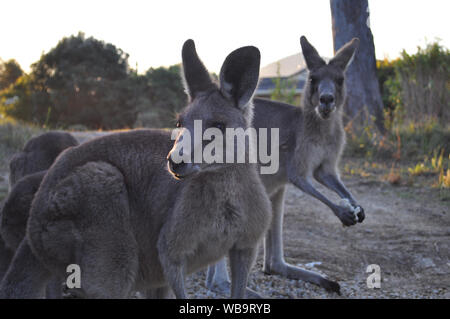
{"x":317,"y":148}
{"x":216,"y":231}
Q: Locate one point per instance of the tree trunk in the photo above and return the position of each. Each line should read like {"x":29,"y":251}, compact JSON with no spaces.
{"x":350,"y":19}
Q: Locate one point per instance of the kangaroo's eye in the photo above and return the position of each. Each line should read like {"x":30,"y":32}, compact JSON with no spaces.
{"x":340,"y":81}
{"x":219,"y":125}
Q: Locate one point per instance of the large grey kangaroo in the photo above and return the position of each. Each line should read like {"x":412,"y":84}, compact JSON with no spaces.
{"x":133,"y":219}
{"x":311,"y":142}
{"x":27,"y":169}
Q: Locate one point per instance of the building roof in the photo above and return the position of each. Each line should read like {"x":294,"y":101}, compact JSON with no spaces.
{"x":285,"y":67}
{"x":291,"y":68}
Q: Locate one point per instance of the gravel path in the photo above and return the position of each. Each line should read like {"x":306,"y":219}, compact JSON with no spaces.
{"x":408,"y":238}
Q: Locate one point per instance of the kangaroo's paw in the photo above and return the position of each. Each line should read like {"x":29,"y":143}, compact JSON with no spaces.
{"x":356,"y":210}
{"x":297,"y":273}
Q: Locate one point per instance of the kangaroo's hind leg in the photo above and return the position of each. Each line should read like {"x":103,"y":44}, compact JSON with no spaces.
{"x":159,"y":293}
{"x":6,"y":256}
{"x":26,"y":276}
{"x":108,"y":269}
{"x":273,"y":251}
{"x":217,"y":280}
{"x":86,"y":222}
{"x":108,"y":257}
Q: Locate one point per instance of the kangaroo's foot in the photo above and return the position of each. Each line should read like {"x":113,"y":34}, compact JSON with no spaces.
{"x":297,"y":273}
{"x":224,"y":288}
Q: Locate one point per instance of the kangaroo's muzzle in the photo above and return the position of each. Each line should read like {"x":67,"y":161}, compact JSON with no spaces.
{"x":326,"y":105}
{"x":181,"y":170}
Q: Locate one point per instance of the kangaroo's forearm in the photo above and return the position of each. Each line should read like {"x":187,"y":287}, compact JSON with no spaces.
{"x":308,"y":188}
{"x":332,"y":182}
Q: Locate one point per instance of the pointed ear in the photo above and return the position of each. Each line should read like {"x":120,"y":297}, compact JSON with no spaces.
{"x":343,"y":57}
{"x":312,"y":57}
{"x":239,"y":75}
{"x":196,"y":77}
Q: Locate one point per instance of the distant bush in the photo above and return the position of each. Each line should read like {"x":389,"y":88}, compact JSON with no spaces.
{"x":418,"y":83}
{"x":162,"y":97}
{"x":410,"y":142}
{"x":388,"y":84}
{"x":10,"y":71}
{"x":80,"y":81}
{"x":85,"y":82}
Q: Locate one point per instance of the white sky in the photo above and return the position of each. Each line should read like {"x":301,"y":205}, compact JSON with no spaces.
{"x":152,"y":32}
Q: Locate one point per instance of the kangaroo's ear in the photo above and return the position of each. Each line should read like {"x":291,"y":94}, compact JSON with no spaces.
{"x":196,"y":77}
{"x":343,"y":57}
{"x":239,"y":75}
{"x":312,"y":57}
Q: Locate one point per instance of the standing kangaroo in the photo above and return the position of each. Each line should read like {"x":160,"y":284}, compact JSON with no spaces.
{"x":311,"y":142}
{"x":134,"y":219}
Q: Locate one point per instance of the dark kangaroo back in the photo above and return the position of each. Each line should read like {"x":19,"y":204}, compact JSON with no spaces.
{"x":39,"y":154}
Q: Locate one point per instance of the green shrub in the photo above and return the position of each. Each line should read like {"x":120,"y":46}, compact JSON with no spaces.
{"x":408,"y":141}
{"x":420,"y":83}
{"x":284,"y":90}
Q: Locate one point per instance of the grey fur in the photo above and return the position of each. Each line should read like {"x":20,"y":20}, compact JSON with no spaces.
{"x":111,"y":206}
{"x":16,"y":209}
{"x":39,"y":154}
{"x":310,"y":147}
{"x":27,"y":169}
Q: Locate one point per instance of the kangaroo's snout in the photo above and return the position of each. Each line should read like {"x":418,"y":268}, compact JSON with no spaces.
{"x":326,"y":105}
{"x":327,"y":98}
{"x":180,"y":169}
{"x":174,"y":167}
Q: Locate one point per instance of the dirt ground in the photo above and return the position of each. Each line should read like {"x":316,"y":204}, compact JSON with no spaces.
{"x":406,"y":232}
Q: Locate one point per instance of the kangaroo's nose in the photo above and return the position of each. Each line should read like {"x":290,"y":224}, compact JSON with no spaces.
{"x":326,"y":99}
{"x":174,"y":166}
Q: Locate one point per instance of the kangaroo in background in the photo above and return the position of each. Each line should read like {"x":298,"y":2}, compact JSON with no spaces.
{"x":38,"y":154}
{"x":312,"y":138}
{"x":134,"y":219}
{"x":27,"y":169}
